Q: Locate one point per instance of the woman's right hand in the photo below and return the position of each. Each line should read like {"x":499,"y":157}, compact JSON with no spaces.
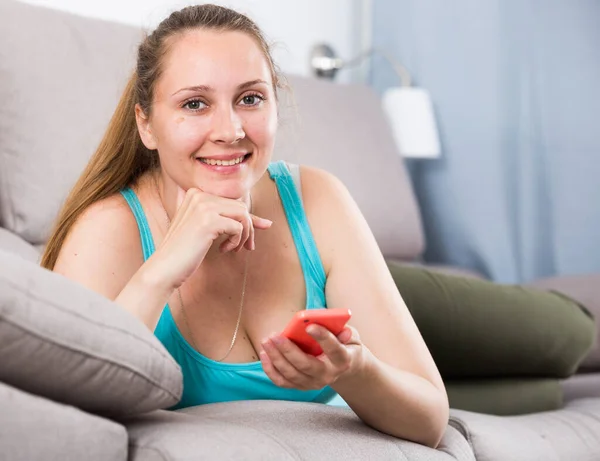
{"x":202,"y":218}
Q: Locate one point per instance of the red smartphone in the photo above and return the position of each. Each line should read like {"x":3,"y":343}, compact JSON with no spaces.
{"x":333,"y":319}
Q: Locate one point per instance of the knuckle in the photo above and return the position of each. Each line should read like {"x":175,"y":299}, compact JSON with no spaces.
{"x":281,"y":382}
{"x":304,"y":368}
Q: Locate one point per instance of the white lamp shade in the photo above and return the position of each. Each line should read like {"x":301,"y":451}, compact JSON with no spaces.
{"x":412,"y":120}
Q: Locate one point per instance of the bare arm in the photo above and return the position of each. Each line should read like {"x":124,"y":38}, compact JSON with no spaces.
{"x":103,"y":252}
{"x":399,"y":390}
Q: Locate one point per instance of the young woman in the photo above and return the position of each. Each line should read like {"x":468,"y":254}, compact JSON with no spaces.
{"x":182,"y":219}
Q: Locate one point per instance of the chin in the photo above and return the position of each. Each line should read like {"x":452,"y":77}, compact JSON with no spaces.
{"x":226,"y":191}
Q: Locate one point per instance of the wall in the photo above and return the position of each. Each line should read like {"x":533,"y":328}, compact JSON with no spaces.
{"x":294,"y":25}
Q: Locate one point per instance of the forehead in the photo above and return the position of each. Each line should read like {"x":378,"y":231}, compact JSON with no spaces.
{"x":213,"y":58}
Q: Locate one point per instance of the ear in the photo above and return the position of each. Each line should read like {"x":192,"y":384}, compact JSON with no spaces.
{"x":145,"y":128}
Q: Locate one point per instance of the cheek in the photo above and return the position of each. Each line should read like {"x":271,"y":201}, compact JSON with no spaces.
{"x":183,"y":133}
{"x":261,"y":129}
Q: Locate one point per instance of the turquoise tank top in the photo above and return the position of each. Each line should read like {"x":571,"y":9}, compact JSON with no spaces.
{"x":208,"y":381}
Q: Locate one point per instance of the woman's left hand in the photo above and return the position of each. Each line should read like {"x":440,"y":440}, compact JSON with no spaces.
{"x":288,"y":366}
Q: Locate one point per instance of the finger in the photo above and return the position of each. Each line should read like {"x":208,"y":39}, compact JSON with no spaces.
{"x":232,"y":228}
{"x":261,"y":223}
{"x":354,"y":337}
{"x":283,"y":366}
{"x":245,"y":233}
{"x":272,"y":373}
{"x":249,"y":244}
{"x":345,"y":336}
{"x":334,"y":350}
{"x":301,"y":361}
{"x":252,"y":233}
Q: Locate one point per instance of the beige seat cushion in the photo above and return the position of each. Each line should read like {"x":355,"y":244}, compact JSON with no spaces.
{"x":275,"y":430}
{"x":69,"y":344}
{"x":33,"y":428}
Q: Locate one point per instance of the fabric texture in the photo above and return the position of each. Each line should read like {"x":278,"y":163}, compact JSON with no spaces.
{"x":15,"y":244}
{"x":33,"y":428}
{"x":581,"y":385}
{"x":505,"y":396}
{"x":278,"y":431}
{"x":320,"y":126}
{"x":49,"y":125}
{"x":572,"y":433}
{"x":585,"y":289}
{"x":207,"y":381}
{"x":64,"y":342}
{"x":513,"y":195}
{"x":479,"y":329}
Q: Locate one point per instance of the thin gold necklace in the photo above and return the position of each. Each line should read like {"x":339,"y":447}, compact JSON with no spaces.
{"x":187,"y":324}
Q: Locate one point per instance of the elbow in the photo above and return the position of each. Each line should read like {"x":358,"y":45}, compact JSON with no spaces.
{"x":437,"y":421}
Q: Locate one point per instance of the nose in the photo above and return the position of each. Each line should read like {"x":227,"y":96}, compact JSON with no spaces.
{"x":227,"y":126}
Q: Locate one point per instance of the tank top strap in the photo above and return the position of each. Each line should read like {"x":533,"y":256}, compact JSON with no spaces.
{"x":308,"y":253}
{"x":142,"y":222}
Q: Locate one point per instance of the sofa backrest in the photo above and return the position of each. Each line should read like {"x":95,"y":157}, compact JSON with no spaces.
{"x":61,"y":76}
{"x":342,"y":129}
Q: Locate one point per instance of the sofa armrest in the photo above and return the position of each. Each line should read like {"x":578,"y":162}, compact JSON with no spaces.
{"x":15,"y":244}
{"x":275,"y":430}
{"x":570,"y":433}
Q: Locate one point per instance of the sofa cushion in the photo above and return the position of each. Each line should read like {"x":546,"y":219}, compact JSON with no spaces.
{"x":15,"y":244}
{"x":475,"y":328}
{"x":60,"y":79}
{"x":33,"y":428}
{"x":274,"y":430}
{"x":572,"y":433}
{"x":585,"y":289}
{"x":69,"y":344}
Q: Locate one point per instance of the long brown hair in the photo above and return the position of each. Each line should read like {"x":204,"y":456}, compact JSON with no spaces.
{"x":121,"y":157}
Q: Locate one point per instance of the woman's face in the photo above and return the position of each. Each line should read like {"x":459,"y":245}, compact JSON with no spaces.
{"x":214,"y":115}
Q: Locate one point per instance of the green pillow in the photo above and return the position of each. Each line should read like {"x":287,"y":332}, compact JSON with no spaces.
{"x":479,"y":329}
{"x":505,"y":397}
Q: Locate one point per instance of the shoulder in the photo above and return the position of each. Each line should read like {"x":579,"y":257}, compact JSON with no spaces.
{"x":109,"y":217}
{"x":323,"y":192}
{"x":102,"y":250}
{"x":322,"y":184}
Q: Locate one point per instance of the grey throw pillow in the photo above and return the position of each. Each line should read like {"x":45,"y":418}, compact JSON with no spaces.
{"x":64,"y":342}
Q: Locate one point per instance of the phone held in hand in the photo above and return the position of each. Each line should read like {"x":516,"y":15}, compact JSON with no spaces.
{"x":333,"y":319}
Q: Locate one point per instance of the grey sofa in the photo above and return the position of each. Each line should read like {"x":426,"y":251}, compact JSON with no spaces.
{"x":82,"y":379}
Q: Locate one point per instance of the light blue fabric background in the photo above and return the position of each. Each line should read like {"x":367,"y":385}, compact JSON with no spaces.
{"x":515,"y":84}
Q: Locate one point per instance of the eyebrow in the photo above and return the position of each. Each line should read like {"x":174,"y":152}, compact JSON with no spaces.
{"x":208,"y":89}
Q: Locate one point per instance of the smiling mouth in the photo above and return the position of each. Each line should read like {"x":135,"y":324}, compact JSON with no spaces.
{"x":232,"y":162}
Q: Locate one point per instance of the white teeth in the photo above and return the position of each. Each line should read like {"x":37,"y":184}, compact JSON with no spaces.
{"x":235,"y":161}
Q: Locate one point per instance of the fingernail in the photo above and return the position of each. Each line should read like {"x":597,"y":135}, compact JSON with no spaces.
{"x":314,"y":331}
